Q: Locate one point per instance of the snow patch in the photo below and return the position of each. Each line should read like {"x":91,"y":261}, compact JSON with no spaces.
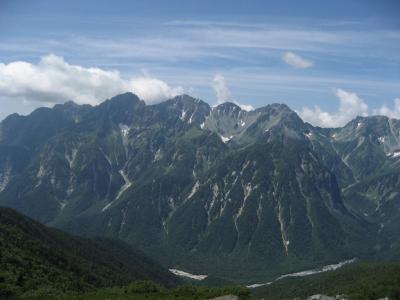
{"x":41,"y":172}
{"x":282,"y":227}
{"x":62,"y":205}
{"x":70,"y":188}
{"x":157,"y":155}
{"x":126,"y":185}
{"x":191,"y":119}
{"x":256,"y":285}
{"x":396,"y":154}
{"x":215,"y":190}
{"x":183,"y":115}
{"x":5,"y":178}
{"x":323,"y":269}
{"x":247,"y":189}
{"x":124,"y":130}
{"x":194,"y":190}
{"x":225,"y":139}
{"x":202,"y":125}
{"x":327,"y":268}
{"x":71,"y":158}
{"x":187,"y":275}
{"x":107,"y":206}
{"x":245,"y":165}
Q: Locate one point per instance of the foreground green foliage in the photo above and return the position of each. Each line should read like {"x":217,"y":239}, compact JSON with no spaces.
{"x":36,"y":260}
{"x":149,"y":290}
{"x":361,"y":281}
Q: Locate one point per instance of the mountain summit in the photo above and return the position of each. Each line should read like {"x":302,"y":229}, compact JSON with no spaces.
{"x":214,"y":190}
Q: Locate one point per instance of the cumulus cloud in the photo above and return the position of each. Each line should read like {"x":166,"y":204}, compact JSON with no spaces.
{"x":296,"y":61}
{"x":220,"y":88}
{"x":350,"y":106}
{"x":386,"y":111}
{"x":246,"y":107}
{"x":153,"y":90}
{"x":223,"y":93}
{"x":53,"y":80}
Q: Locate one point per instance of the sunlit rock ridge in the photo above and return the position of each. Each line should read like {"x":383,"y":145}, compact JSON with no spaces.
{"x":208,"y":190}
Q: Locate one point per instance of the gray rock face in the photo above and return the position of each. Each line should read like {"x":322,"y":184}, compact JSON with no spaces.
{"x":210,"y":190}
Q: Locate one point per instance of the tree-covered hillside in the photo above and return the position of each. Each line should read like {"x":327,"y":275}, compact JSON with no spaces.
{"x":35,"y":259}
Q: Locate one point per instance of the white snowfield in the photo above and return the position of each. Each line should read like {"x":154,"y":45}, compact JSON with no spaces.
{"x":226,"y":139}
{"x":187,"y":275}
{"x":256,"y":285}
{"x":306,"y":273}
{"x":396,"y":154}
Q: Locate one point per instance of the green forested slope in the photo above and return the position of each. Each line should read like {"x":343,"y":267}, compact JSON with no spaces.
{"x":35,"y":259}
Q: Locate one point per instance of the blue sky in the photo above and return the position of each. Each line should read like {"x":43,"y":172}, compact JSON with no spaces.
{"x":338,"y":55}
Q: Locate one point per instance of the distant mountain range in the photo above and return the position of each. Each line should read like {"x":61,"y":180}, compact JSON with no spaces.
{"x":209,"y":190}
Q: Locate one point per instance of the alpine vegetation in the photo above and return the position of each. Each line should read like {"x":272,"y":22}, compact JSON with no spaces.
{"x":219,"y":191}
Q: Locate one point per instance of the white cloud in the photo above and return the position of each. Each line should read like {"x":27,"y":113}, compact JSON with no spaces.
{"x":350,"y":106}
{"x":386,"y":111}
{"x":153,"y":90}
{"x":223,"y":93}
{"x":53,"y":80}
{"x":221,"y":90}
{"x":246,"y":107}
{"x":296,"y":61}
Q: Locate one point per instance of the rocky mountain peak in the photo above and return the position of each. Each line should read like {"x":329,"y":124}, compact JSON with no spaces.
{"x":124,"y":101}
{"x":188,"y":109}
{"x":227,"y":108}
{"x":185,"y":182}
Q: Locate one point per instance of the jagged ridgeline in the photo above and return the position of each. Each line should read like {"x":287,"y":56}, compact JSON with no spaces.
{"x":222,"y":191}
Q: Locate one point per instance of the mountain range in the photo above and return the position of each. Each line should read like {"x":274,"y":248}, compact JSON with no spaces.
{"x":243,"y":195}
